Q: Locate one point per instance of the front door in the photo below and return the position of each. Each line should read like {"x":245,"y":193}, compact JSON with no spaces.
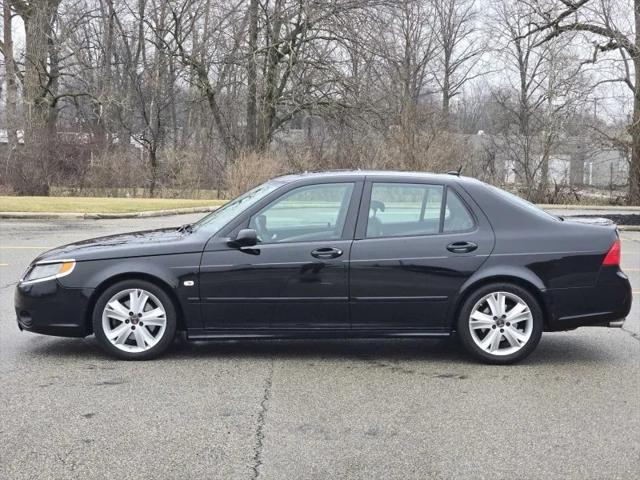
{"x":415,"y":246}
{"x":296,"y":276}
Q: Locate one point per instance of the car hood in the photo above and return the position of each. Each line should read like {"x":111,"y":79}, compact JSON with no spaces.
{"x":135,"y":244}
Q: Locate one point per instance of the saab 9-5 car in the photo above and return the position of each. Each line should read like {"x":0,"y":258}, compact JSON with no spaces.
{"x":338,"y":254}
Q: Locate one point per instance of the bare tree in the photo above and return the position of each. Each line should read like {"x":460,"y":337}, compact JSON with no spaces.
{"x":461,"y":46}
{"x":537,"y":100}
{"x":614,"y":26}
{"x":406,"y":51}
{"x":39,"y":74}
{"x":181,"y":90}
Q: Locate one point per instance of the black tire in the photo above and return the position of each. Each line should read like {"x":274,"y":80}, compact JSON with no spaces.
{"x":170,"y":312}
{"x":464,"y":330}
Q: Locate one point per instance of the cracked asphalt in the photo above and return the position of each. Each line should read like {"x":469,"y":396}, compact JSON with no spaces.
{"x":310,"y":409}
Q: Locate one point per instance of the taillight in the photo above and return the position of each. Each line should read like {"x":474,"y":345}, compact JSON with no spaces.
{"x":612,"y":259}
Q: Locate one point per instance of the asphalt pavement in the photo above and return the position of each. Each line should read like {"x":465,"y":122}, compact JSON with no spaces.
{"x":310,"y":409}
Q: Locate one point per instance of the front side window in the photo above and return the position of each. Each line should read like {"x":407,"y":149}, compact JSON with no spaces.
{"x":404,"y":209}
{"x":305,"y":214}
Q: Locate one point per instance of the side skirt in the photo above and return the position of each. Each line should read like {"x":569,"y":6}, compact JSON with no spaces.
{"x":202,"y":334}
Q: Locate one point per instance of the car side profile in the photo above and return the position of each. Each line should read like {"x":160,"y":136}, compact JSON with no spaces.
{"x":338,"y":254}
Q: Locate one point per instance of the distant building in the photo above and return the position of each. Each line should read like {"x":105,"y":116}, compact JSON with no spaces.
{"x":4,"y":137}
{"x":575,"y":161}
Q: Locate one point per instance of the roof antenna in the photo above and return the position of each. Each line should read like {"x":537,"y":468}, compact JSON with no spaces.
{"x":455,"y":172}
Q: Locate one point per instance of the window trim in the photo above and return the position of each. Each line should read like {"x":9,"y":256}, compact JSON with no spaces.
{"x":363,"y":214}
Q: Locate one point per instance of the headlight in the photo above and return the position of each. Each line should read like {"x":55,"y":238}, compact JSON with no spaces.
{"x":49,"y":270}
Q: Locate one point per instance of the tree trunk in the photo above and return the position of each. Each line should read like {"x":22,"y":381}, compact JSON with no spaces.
{"x":103,"y":110}
{"x":268,"y":108}
{"x":271,"y":76}
{"x":252,"y":75}
{"x":10,"y":75}
{"x":153,"y":163}
{"x":446,"y":91}
{"x":634,"y":130}
{"x":38,"y":26}
{"x":576,"y":176}
{"x":53,"y":86}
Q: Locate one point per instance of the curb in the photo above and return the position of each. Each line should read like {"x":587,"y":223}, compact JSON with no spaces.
{"x":186,"y":210}
{"x":608,"y":208}
{"x":100,"y":216}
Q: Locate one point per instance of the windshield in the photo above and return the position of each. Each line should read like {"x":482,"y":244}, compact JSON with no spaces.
{"x":223,"y":215}
{"x":521,"y":202}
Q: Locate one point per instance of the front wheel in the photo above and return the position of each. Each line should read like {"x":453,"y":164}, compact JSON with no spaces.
{"x":500,"y":323}
{"x":134,"y":320}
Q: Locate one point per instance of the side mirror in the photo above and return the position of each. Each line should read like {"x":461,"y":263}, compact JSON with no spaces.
{"x":247,"y":237}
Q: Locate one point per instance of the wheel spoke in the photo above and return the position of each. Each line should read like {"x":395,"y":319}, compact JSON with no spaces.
{"x":143,"y":298}
{"x":495,"y":303}
{"x":502,"y":305}
{"x":146,"y":335}
{"x":481,"y":320}
{"x":134,"y":301}
{"x":521,"y":317}
{"x":520,"y":336}
{"x":511,"y":337}
{"x":516,"y":312}
{"x":123,"y":334}
{"x":154,"y":317}
{"x":139,"y":337}
{"x":495,"y":343}
{"x":491,"y":341}
{"x":116,"y":310}
{"x":117,"y":331}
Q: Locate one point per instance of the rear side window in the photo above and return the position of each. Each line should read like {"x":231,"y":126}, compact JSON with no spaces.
{"x":404,"y":209}
{"x":456,"y":216}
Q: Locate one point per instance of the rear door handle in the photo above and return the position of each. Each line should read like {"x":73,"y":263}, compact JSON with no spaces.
{"x":462,"y":247}
{"x":326,"y":252}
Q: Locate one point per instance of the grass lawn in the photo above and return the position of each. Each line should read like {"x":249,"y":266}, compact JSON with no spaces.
{"x":98,"y":205}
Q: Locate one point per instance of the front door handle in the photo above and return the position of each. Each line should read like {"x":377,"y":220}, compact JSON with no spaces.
{"x":326,"y":252}
{"x":462,"y":247}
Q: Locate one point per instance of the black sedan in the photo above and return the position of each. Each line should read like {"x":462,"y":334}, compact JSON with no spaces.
{"x":338,"y":254}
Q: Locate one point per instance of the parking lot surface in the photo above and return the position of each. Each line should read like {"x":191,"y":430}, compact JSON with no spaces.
{"x":310,"y":409}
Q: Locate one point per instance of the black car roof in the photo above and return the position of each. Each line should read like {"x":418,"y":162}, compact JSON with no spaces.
{"x":327,"y":174}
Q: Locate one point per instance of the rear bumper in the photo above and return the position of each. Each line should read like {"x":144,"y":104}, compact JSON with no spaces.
{"x":50,"y":309}
{"x":605,"y":304}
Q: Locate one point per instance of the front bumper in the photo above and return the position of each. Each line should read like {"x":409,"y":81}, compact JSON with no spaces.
{"x":51,"y":309}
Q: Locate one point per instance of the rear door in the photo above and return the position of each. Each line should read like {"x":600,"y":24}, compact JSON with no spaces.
{"x":416,"y":243}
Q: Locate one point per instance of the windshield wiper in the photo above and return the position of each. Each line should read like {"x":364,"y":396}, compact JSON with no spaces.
{"x":187,"y":227}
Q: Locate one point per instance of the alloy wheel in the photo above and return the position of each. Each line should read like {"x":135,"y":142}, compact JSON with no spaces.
{"x":501,"y":323}
{"x":134,"y":320}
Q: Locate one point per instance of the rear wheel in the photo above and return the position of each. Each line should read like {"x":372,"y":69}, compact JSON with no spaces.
{"x":500,"y":323}
{"x":134,"y":320}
